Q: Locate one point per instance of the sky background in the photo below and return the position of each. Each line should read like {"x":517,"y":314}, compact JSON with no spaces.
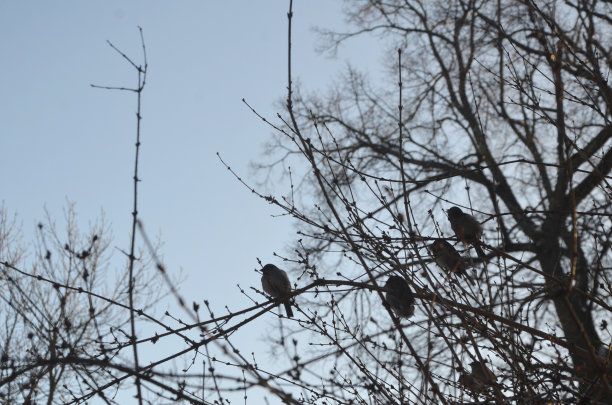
{"x":62,"y":140}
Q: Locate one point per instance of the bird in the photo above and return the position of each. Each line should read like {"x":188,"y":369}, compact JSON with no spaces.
{"x":466,"y":228}
{"x":399,"y":296}
{"x":481,"y":372}
{"x":471,"y":383}
{"x":275,"y":282}
{"x":479,"y":379}
{"x":447,"y":257}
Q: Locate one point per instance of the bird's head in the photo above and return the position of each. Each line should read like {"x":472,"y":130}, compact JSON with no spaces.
{"x":438,"y":245}
{"x":395,"y":283}
{"x":269,"y":268}
{"x":454,"y":212}
{"x":476,"y":365}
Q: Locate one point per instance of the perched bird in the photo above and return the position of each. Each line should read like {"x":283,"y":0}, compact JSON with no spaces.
{"x":482,"y":373}
{"x":467,"y":228}
{"x":399,"y":296}
{"x":471,"y":383}
{"x":479,"y":379}
{"x":276,"y":283}
{"x":448,"y":258}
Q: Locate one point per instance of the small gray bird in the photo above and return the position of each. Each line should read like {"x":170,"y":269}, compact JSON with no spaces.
{"x":448,"y":258}
{"x":399,"y":296}
{"x":467,"y":228}
{"x":482,"y":373}
{"x":471,"y":383}
{"x":479,"y":379}
{"x":276,"y":283}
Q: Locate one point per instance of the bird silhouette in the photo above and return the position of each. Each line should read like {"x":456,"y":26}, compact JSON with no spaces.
{"x":399,"y":297}
{"x":447,"y":257}
{"x":466,"y":228}
{"x":276,"y":283}
{"x":481,"y":372}
{"x":479,"y":378}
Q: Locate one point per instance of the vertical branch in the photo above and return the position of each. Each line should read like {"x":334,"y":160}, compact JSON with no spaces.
{"x":400,"y":108}
{"x":142,"y":75}
{"x":289,"y":82}
{"x":142,"y":78}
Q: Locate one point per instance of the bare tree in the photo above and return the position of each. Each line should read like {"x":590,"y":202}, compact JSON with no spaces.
{"x":61,"y":300}
{"x":500,"y":108}
{"x":503,"y":109}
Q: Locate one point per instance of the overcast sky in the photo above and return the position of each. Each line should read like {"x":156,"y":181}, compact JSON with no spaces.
{"x":61,"y":140}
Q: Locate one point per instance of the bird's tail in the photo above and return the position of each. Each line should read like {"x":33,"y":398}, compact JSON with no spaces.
{"x":469,"y":278}
{"x":462,"y":272}
{"x":288,"y":309}
{"x":479,"y":251}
